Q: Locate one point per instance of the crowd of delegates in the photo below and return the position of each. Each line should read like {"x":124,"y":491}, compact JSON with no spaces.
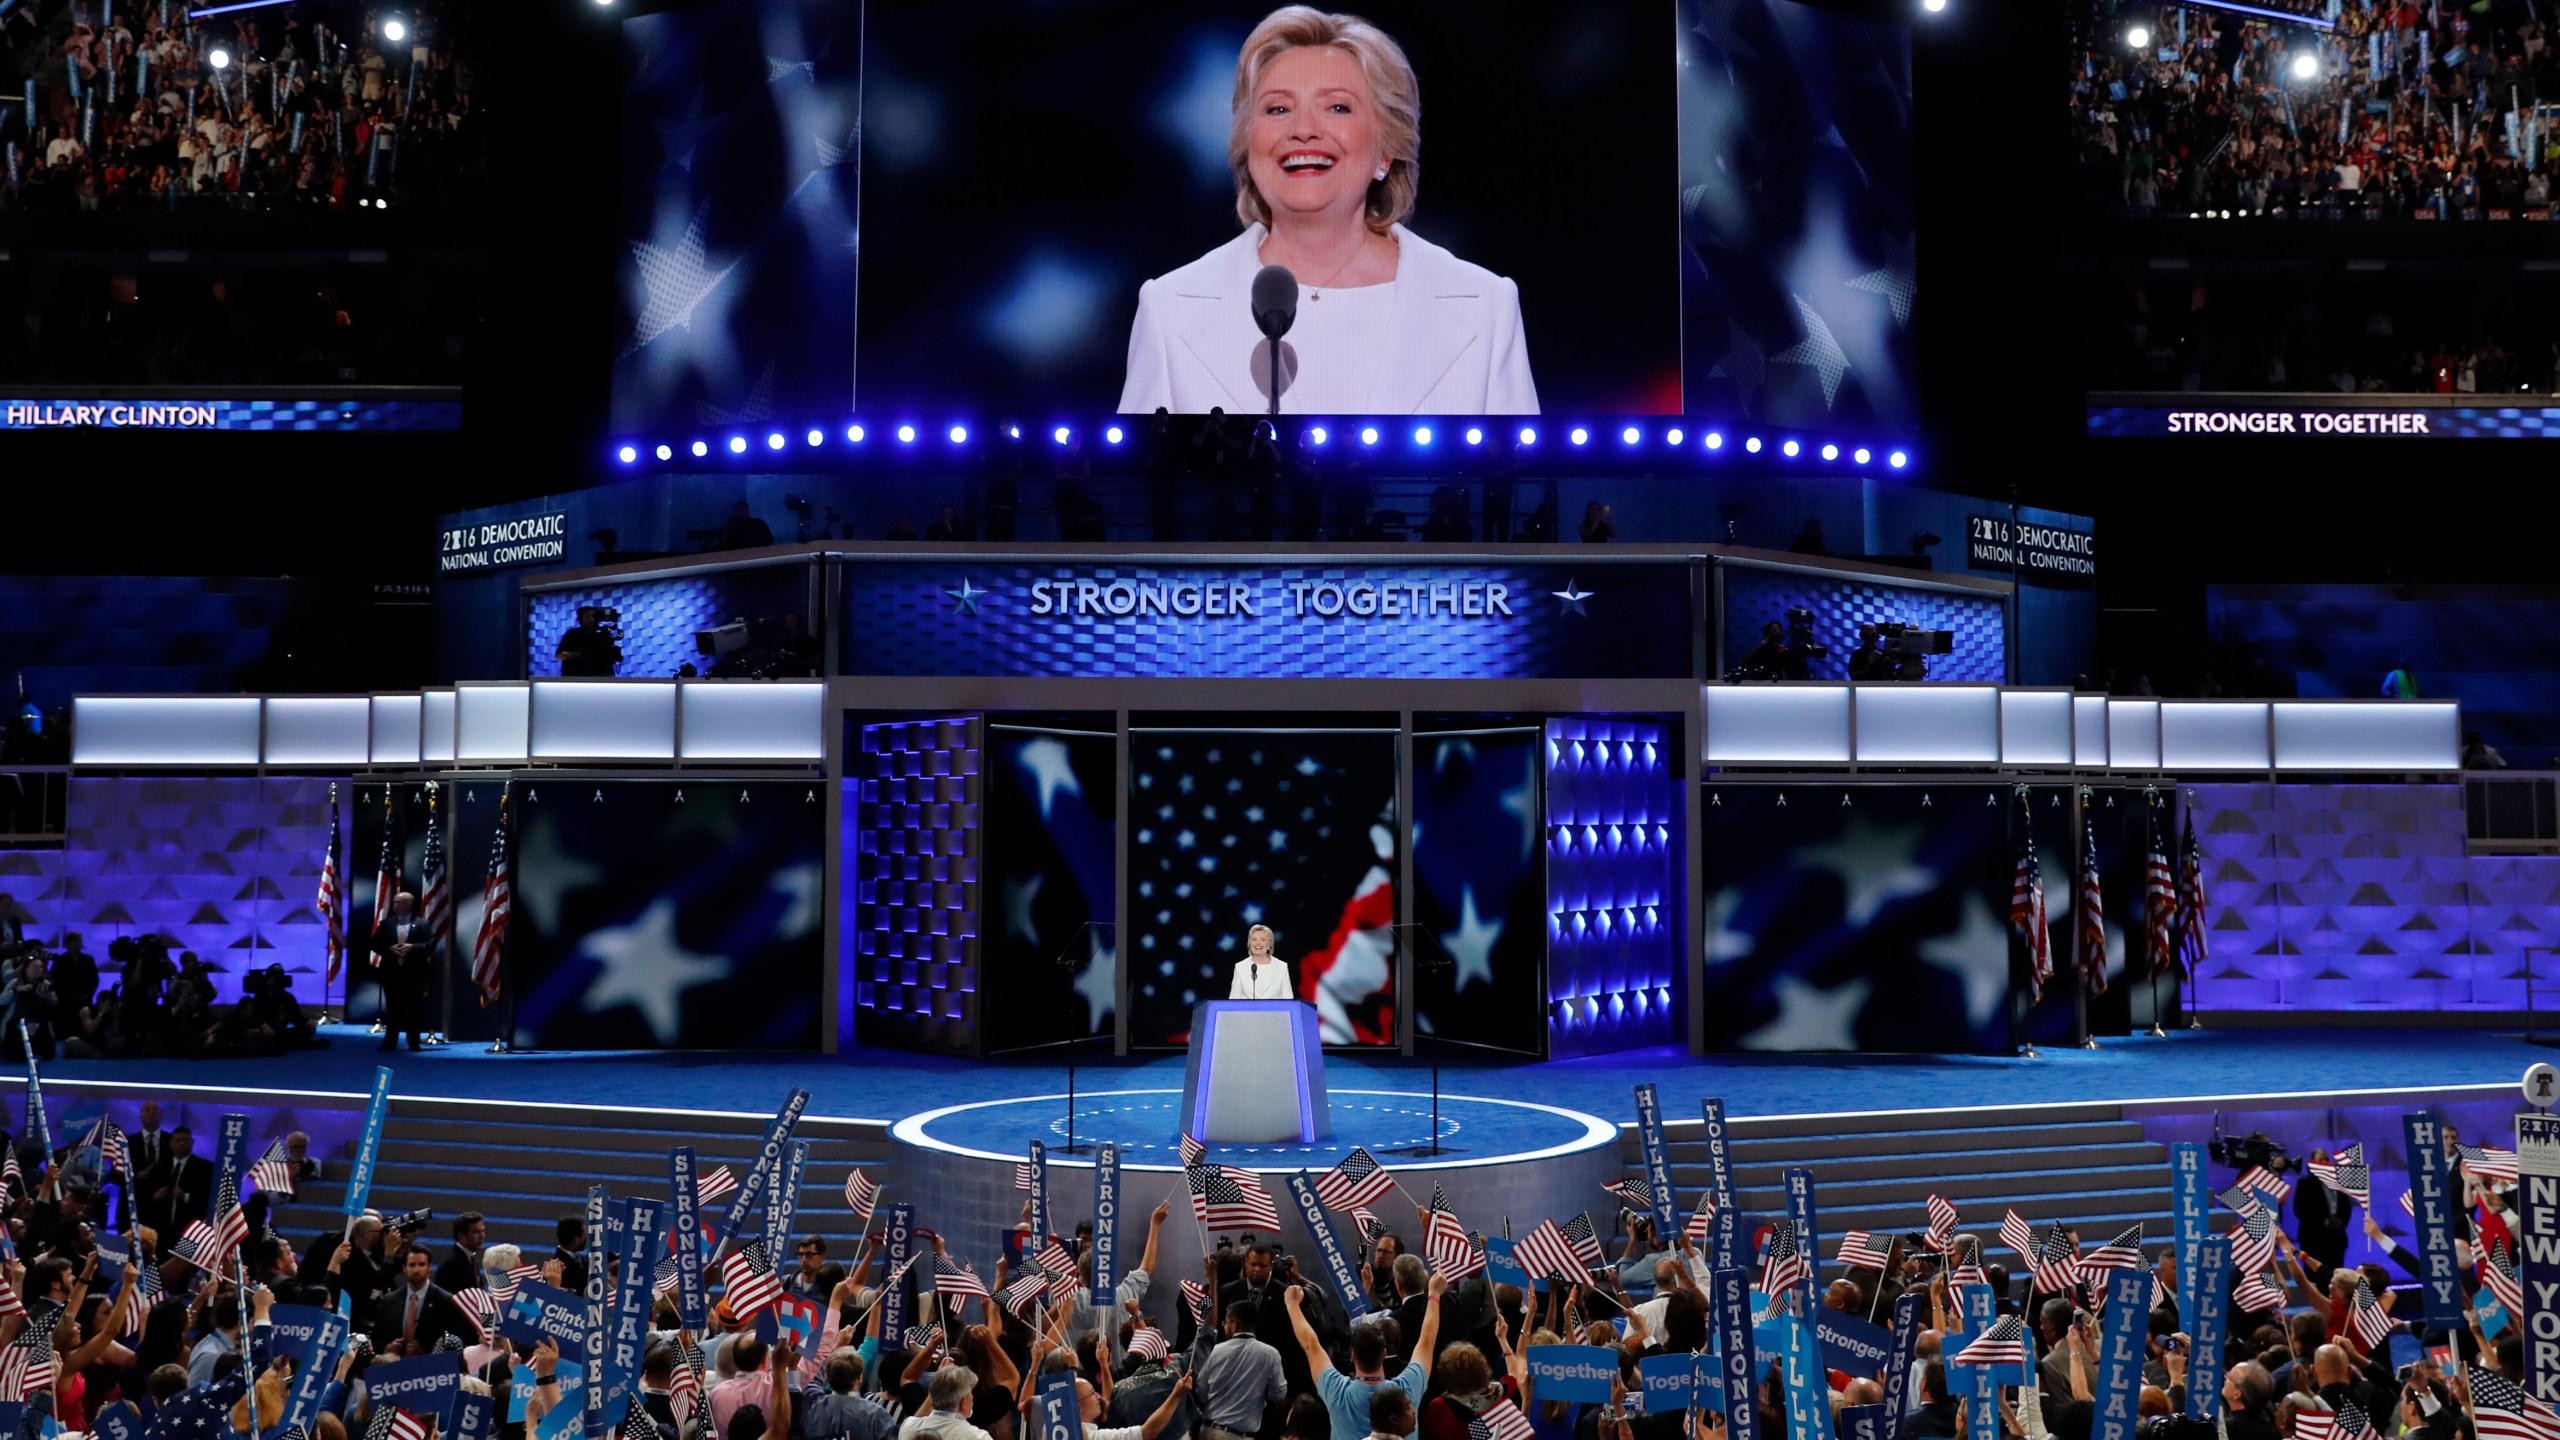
{"x":316,"y":107}
{"x":2415,"y":107}
{"x":146,"y":1001}
{"x":1256,"y":1349}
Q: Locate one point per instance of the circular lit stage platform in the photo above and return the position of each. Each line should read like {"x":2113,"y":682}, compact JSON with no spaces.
{"x":1497,"y":1159}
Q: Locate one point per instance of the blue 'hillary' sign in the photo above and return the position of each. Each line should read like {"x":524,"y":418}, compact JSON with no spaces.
{"x":2120,"y":1355}
{"x":2431,"y":1197}
{"x":2191,"y":1196}
{"x":2210,"y":1328}
{"x":1657,"y":1161}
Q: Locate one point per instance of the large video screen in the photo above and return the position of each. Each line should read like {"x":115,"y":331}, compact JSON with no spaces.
{"x":1621,"y":206}
{"x":1293,"y":829}
{"x":1049,"y":945}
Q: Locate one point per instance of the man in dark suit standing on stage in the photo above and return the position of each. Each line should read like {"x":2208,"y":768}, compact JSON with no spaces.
{"x":417,"y":1312}
{"x":404,"y":951}
{"x":461,"y":1269}
{"x":181,"y":1190}
{"x":146,"y":1149}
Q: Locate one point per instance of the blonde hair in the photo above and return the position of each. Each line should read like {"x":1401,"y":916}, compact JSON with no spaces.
{"x":1391,"y":84}
{"x":1252,"y":930}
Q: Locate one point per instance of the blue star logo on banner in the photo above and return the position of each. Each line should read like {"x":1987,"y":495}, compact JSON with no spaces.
{"x":968,"y":595}
{"x":1569,"y":599}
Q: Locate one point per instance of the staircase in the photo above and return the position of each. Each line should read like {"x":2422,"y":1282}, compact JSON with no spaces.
{"x":2083,"y":1165}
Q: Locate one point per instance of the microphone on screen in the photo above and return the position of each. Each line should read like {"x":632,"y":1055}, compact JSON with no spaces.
{"x":1275,"y":309}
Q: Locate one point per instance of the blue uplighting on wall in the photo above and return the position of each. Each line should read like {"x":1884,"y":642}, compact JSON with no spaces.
{"x":1615,"y":887}
{"x":912,"y":852}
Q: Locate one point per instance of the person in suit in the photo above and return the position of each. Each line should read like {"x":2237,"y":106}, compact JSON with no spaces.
{"x":184,"y":1189}
{"x":417,"y":1312}
{"x":350,"y":1260}
{"x":146,"y":1149}
{"x":406,"y":953}
{"x":1323,"y":140}
{"x":570,"y":1250}
{"x":1261,"y":975}
{"x":461,"y":1269}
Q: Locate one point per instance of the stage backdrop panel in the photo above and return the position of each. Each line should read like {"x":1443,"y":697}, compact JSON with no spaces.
{"x":660,"y":618}
{"x":466,"y":819}
{"x":912,"y":852}
{"x":1294,"y":829}
{"x":1617,"y":924}
{"x":1871,"y":918}
{"x":1754,"y":595}
{"x":1476,"y":620}
{"x":1051,"y":867}
{"x":667,"y":915}
{"x":1479,"y":890}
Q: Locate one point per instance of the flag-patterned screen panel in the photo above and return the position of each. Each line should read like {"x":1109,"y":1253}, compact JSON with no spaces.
{"x":1754,"y":597}
{"x":913,"y":851}
{"x":660,"y":620}
{"x":2362,"y":897}
{"x":1291,"y":829}
{"x":1870,"y":918}
{"x":1050,"y":873}
{"x":1617,"y":922}
{"x":1479,"y":897}
{"x":225,"y":867}
{"x":466,"y":812}
{"x":668,"y":915}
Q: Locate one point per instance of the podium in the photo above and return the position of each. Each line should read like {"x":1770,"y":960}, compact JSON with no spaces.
{"x":1255,"y":1075}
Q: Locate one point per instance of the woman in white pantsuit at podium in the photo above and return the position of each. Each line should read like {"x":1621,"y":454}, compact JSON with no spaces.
{"x":1261,"y":975}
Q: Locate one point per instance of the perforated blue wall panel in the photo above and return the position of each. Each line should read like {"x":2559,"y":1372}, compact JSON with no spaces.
{"x":659,"y":617}
{"x":912,"y":852}
{"x":1616,"y":892}
{"x":1753,"y":598}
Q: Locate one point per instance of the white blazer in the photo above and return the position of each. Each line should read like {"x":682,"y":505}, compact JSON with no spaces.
{"x":1453,"y":343}
{"x":1270,"y":982}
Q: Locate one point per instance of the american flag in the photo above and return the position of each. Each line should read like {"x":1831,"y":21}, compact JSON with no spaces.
{"x":2055,"y":1261}
{"x":1501,"y":1420}
{"x":1222,"y":1202}
{"x":2503,"y":1411}
{"x":2003,"y":1343}
{"x":2498,"y":1272}
{"x":1055,"y":1261}
{"x":1195,"y":1298}
{"x":386,"y":873}
{"x":329,"y":899}
{"x":1371,"y":1227}
{"x":108,"y":1138}
{"x":1357,"y":1179}
{"x":1147,"y":1344}
{"x":951,"y":1279}
{"x":2017,"y":1234}
{"x":1630,"y":1193}
{"x":10,"y":1304}
{"x":2026,"y":903}
{"x":2190,"y":950}
{"x":497,"y":907}
{"x":2159,"y":904}
{"x":637,"y":1422}
{"x":2315,"y":1424}
{"x":2344,"y":1171}
{"x":711,"y":1185}
{"x":516,"y":1275}
{"x":1858,"y":1252}
{"x":2253,"y":1241}
{"x":1022,"y":1295}
{"x":23,"y":1372}
{"x":1022,"y":1175}
{"x":273,"y":1171}
{"x":2266,"y":1182}
{"x":748,"y":1281}
{"x":2256,"y":1294}
{"x":200,"y":1246}
{"x":2122,"y":1253}
{"x":684,"y":1394}
{"x":2367,"y":1322}
{"x":861,"y":1193}
{"x":2091,"y":912}
{"x":2489,"y":1163}
{"x":405,"y":1426}
{"x":1702,"y":1221}
{"x":1193,"y":1152}
{"x":1967,"y":1269}
{"x":1782,"y":1269}
{"x":1942,"y":1223}
{"x":1545,"y":1253}
{"x":1446,"y":1245}
{"x":1585,"y":1240}
{"x":480,"y":1307}
{"x":435,"y":905}
{"x":921,"y":1337}
{"x":2349,"y":1423}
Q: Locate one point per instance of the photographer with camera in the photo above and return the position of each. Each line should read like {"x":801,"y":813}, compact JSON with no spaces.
{"x":1868,"y":661}
{"x":593,"y":647}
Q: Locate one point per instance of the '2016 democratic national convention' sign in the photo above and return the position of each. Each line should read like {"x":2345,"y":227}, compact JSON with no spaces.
{"x":1492,"y":620}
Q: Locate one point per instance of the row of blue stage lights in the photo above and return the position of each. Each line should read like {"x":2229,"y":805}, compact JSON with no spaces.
{"x":1629,"y":437}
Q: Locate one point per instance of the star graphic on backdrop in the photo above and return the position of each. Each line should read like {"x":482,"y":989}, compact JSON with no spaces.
{"x":1094,"y":983}
{"x":756,"y":406}
{"x":1456,"y":747}
{"x":1050,"y":768}
{"x":1741,"y":362}
{"x":676,"y":276}
{"x":1522,"y":800}
{"x":776,"y":69}
{"x":1818,"y":350}
{"x":1471,"y":944}
{"x":644,"y":967}
{"x":1976,"y":953}
{"x":554,"y":874}
{"x":1812,"y":1018}
{"x":967,"y":595}
{"x":1876,"y":863}
{"x":1895,"y":280}
{"x":803,"y":884}
{"x":1569,"y":599}
{"x":1724,"y":943}
{"x":678,"y":134}
{"x":1018,"y":899}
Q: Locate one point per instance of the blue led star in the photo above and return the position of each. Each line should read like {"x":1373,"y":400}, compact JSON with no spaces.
{"x":1570,"y":599}
{"x":967,"y":595}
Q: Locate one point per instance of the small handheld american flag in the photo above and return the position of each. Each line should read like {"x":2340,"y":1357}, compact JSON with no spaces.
{"x":1632,"y":1194}
{"x":1193,"y":1152}
{"x":953,"y":1280}
{"x":273,"y":1171}
{"x":2487,"y":1162}
{"x":1585,"y":1240}
{"x":861,"y":1193}
{"x":1782,"y":1269}
{"x":1147,"y":1345}
{"x":2498,"y":1272}
{"x":2018,"y":1235}
{"x":1222,"y":1203}
{"x":1195,"y":1298}
{"x":2003,"y":1343}
{"x":1501,"y":1420}
{"x":2505,"y":1412}
{"x":2056,"y":1261}
{"x":748,"y":1280}
{"x":2266,"y":1182}
{"x":1544,"y":1253}
{"x":1942,"y":1223}
{"x":2124,"y":1252}
{"x":1355,"y":1180}
{"x":2345,"y":1173}
{"x":1858,"y":1252}
{"x":2367,"y":1322}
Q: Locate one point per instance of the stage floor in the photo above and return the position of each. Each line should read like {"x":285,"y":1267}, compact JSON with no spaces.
{"x":891,"y":1085}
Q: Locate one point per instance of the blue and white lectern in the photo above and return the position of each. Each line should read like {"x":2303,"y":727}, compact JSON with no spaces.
{"x":1256,"y":1074}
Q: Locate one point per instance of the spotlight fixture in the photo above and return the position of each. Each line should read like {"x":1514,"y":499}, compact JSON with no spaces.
{"x":853,"y":434}
{"x":1630,"y":435}
{"x":959,"y":434}
{"x":2139,"y":37}
{"x":737,"y":444}
{"x":1752,"y":444}
{"x":1830,"y":452}
{"x":817,"y":437}
{"x":2306,"y":66}
{"x":1062,"y":434}
{"x":1316,"y":435}
{"x":1579,"y":436}
{"x":1897,"y":459}
{"x":1422,"y":435}
{"x":1475,"y":434}
{"x":1368,"y":434}
{"x":1114,"y":435}
{"x":626,"y":454}
{"x":1790,"y":449}
{"x":666,"y":452}
{"x":395,"y":30}
{"x":700,"y":449}
{"x":906,"y":434}
{"x":1934,"y":7}
{"x":1528,"y":435}
{"x":1862,"y":454}
{"x":220,"y":59}
{"x":1715,"y":439}
{"x":1674,"y":436}
{"x":775,"y":441}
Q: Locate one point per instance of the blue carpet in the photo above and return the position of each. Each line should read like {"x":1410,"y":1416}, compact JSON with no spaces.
{"x":1143,"y":1123}
{"x":888,"y":1085}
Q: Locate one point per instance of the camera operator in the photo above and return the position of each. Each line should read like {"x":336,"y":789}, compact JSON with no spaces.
{"x":593,"y":647}
{"x":1766,"y":660}
{"x":1868,"y":661}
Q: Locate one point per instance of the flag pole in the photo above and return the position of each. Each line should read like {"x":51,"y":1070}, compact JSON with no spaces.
{"x":2151,"y":804}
